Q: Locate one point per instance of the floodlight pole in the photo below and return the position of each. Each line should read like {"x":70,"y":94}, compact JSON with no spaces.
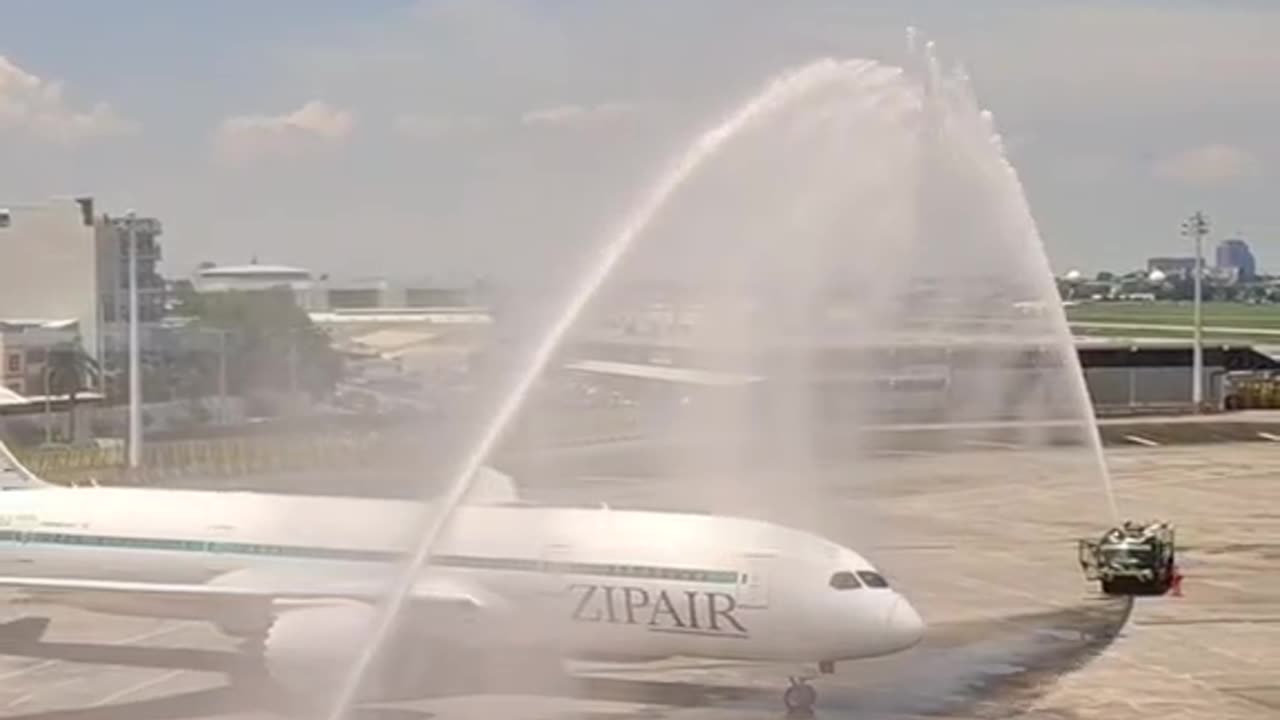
{"x":135,"y":366}
{"x":222,"y":377}
{"x":48,"y":401}
{"x":1197,"y":227}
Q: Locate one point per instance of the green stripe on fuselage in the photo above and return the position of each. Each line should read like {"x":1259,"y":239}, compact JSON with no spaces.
{"x":308,"y":552}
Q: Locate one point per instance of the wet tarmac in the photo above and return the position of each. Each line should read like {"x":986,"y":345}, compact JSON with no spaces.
{"x":982,"y":541}
{"x":116,"y":670}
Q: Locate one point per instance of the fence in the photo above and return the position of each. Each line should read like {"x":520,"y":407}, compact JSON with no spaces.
{"x":238,"y":456}
{"x":1149,"y":388}
{"x":225,"y":457}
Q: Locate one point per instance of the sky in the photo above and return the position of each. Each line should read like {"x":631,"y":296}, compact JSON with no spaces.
{"x":450,"y":138}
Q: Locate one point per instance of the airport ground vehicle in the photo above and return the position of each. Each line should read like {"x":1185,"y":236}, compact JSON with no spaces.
{"x":1133,"y":559}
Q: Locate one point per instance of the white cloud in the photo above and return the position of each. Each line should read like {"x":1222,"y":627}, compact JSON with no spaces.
{"x":1211,"y":164}
{"x":243,"y":137}
{"x":490,"y":88}
{"x":576,"y":116}
{"x":35,"y":107}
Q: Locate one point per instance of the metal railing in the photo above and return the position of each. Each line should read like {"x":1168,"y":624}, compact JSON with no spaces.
{"x":216,"y":457}
{"x":238,"y":456}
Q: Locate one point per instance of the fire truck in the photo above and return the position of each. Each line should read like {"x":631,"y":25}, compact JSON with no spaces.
{"x":1133,"y":559}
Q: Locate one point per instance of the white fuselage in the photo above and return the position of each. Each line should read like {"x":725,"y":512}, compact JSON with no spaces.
{"x":603,"y":583}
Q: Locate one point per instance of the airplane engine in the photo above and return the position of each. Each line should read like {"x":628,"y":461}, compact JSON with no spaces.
{"x":309,"y":651}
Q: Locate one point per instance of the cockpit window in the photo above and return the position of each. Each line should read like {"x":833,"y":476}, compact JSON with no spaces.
{"x":845,"y":580}
{"x":873,"y":579}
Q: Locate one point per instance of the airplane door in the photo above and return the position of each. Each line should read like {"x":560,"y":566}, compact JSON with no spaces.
{"x":753,"y":581}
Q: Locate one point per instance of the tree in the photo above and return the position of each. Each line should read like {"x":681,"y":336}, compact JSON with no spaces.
{"x":271,"y":342}
{"x":187,"y":300}
{"x":69,"y":371}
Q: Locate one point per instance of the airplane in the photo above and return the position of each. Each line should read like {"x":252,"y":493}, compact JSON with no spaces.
{"x":298,"y":579}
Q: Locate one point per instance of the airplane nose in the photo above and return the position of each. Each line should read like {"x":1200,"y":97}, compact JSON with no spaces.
{"x":905,"y":623}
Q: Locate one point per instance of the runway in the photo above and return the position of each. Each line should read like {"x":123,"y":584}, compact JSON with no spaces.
{"x":981,"y":540}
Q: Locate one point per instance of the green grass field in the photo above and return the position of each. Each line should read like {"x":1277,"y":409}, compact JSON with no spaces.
{"x":1221,"y":321}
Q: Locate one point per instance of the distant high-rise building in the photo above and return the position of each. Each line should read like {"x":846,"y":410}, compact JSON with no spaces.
{"x":1235,"y":256}
{"x":113,"y":269}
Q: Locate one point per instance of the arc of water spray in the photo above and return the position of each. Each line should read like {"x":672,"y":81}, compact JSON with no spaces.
{"x":776,"y":95}
{"x":933,"y":84}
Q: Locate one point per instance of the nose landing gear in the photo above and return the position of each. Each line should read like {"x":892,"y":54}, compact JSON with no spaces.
{"x":799,"y":698}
